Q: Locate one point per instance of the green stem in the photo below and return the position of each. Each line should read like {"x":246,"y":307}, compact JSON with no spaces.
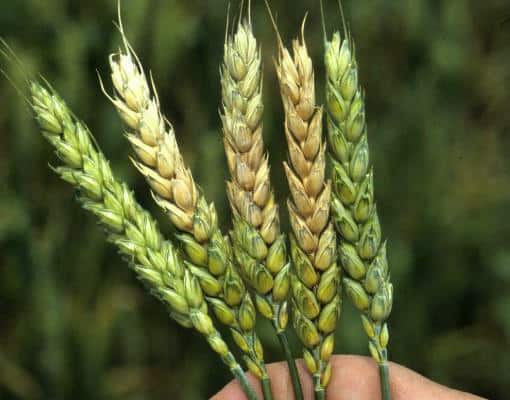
{"x":320,"y":393}
{"x":384,"y":375}
{"x":294,"y":375}
{"x":245,"y":384}
{"x":266,"y":388}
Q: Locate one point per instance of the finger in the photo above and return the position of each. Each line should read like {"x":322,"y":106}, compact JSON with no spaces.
{"x":233,"y":390}
{"x":357,"y":377}
{"x":354,"y":377}
{"x":281,"y":384}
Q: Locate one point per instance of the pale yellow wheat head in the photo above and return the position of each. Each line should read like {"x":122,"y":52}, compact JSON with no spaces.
{"x":315,"y":277}
{"x":208,"y":252}
{"x":258,"y":244}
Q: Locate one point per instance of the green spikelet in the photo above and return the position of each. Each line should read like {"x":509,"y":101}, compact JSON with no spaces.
{"x":130,"y":228}
{"x":362,"y":253}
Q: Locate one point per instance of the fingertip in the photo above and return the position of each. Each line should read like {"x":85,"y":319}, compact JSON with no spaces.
{"x":355,"y":375}
{"x":282,"y":383}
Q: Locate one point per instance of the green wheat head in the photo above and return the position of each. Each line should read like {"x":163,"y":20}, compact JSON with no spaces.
{"x":362,"y":253}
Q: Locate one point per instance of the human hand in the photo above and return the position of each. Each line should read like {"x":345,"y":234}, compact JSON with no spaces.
{"x":354,"y":378}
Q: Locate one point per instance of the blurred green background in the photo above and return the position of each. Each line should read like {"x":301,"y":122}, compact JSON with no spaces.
{"x":74,"y":321}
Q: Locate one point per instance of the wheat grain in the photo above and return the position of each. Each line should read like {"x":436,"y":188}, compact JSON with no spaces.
{"x":316,"y":300}
{"x":208,"y":253}
{"x":130,"y":228}
{"x":361,"y":252}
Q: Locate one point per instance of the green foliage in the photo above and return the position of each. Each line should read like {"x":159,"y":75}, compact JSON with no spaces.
{"x":75,"y":322}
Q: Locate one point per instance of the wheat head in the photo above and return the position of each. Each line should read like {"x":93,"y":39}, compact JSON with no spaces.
{"x":361,"y":251}
{"x":208,"y":253}
{"x":315,"y":278}
{"x":259,"y":246}
{"x":128,"y":226}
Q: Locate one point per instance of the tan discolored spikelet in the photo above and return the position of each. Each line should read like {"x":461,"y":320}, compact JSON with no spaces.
{"x":362,"y":252}
{"x":315,"y":274}
{"x":208,"y":254}
{"x":259,"y":245}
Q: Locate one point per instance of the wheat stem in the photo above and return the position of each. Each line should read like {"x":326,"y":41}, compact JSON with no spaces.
{"x":362,"y":252}
{"x":207,"y":251}
{"x":294,"y":374}
{"x":130,"y":228}
{"x":266,"y":389}
{"x":384,"y":375}
{"x":319,"y":391}
{"x":317,"y":301}
{"x":245,"y":384}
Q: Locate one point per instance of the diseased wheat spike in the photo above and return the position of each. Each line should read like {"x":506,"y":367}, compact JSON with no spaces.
{"x":130,"y":228}
{"x":361,"y":251}
{"x":208,"y":253}
{"x":258,"y":244}
{"x":316,"y":299}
